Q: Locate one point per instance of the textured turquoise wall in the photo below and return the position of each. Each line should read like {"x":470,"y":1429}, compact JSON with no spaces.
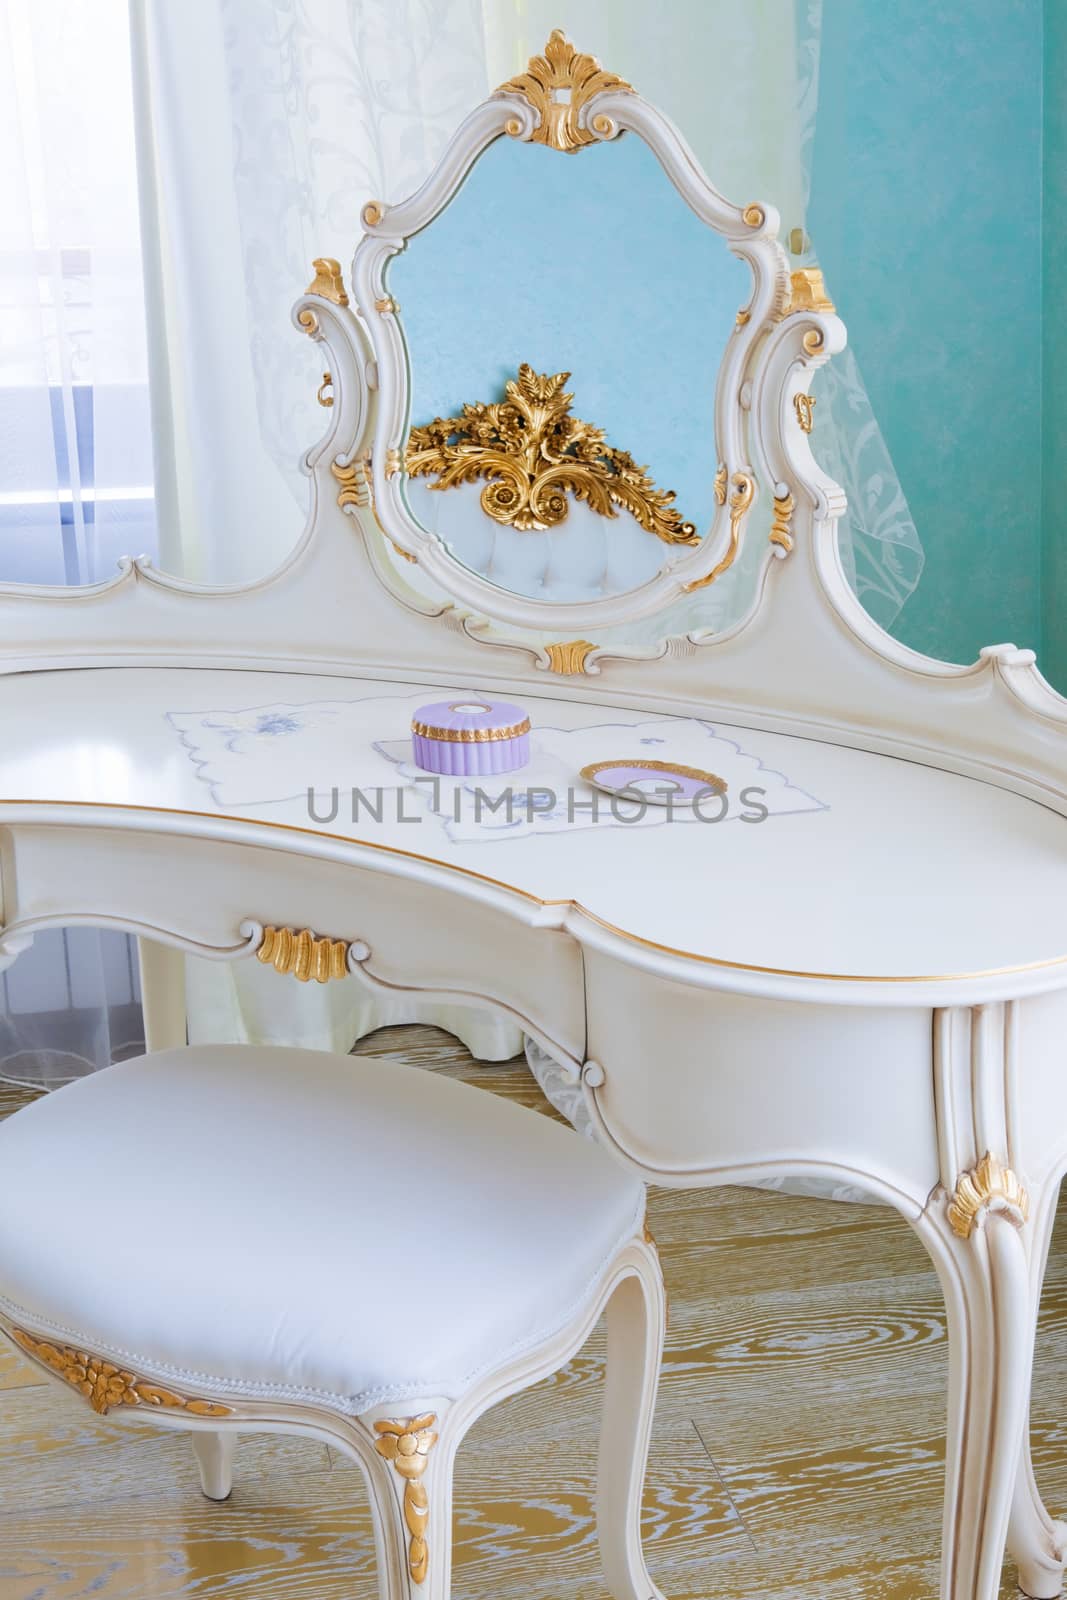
{"x":926,"y":217}
{"x":1054,"y":652}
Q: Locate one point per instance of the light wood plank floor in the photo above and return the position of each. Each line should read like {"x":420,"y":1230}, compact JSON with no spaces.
{"x":798,"y":1448}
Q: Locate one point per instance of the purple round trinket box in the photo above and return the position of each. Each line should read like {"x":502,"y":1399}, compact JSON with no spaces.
{"x":470,"y":737}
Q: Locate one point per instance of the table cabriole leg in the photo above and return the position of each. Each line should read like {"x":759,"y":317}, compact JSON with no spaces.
{"x":1037,"y":1542}
{"x":987,"y":1237}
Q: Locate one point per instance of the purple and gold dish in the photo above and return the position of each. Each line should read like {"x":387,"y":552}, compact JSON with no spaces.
{"x":469,"y":737}
{"x":661,"y":783}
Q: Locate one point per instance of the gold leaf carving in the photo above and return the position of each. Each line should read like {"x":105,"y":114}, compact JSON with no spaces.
{"x":720,"y":485}
{"x":533,"y":451}
{"x":372,"y":213}
{"x":804,"y":406}
{"x":105,"y":1385}
{"x":987,"y":1184}
{"x":303,"y":955}
{"x":569,"y":658}
{"x":754,"y":216}
{"x":324,"y":393}
{"x":557,"y":85}
{"x":407,"y":1444}
{"x":355,"y":483}
{"x":784,"y":506}
{"x":808,"y":291}
{"x":328,"y":280}
{"x":742,"y":497}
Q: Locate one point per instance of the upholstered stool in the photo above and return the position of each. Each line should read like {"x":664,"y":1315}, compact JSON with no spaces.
{"x":231,"y":1239}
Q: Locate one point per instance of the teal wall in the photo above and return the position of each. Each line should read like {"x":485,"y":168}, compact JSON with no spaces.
{"x":1054,"y":653}
{"x":926,"y":218}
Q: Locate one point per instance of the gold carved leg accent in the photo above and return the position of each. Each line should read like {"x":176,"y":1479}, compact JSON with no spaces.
{"x":407,"y":1444}
{"x":988,"y":1185}
{"x":105,"y":1385}
{"x":303,"y":955}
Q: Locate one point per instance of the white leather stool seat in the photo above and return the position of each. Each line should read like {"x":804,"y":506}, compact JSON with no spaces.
{"x":286,"y":1223}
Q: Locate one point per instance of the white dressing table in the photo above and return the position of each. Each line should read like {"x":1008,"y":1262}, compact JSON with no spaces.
{"x":870,"y":985}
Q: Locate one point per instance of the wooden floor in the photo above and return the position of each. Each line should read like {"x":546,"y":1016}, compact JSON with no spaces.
{"x":798,"y":1446}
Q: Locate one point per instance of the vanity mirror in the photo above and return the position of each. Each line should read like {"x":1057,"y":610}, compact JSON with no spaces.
{"x":564,"y":318}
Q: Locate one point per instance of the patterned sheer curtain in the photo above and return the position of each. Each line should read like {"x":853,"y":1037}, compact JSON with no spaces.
{"x":75,"y":439}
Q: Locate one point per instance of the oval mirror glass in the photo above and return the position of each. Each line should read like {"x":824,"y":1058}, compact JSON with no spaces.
{"x":565,"y":318}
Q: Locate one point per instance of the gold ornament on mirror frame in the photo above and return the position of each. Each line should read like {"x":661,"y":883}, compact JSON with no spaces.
{"x":569,"y":658}
{"x":784,"y":506}
{"x":533,"y":452}
{"x":808,"y":292}
{"x":742,"y":497}
{"x":106,"y":1385}
{"x":328,"y":280}
{"x":804,"y":406}
{"x":557,"y":85}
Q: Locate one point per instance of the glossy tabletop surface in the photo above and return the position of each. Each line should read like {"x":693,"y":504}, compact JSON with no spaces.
{"x":864,"y":866}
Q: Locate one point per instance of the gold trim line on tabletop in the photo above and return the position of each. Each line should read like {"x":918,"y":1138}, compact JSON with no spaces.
{"x":533,"y":451}
{"x":987,"y":1184}
{"x":105,"y":1385}
{"x":742,"y":497}
{"x":784,"y":506}
{"x":302,"y":955}
{"x":569,"y":657}
{"x":557,"y":86}
{"x":804,"y":406}
{"x":565,"y":901}
{"x":470,"y":735}
{"x":328,"y":281}
{"x":407,"y":1444}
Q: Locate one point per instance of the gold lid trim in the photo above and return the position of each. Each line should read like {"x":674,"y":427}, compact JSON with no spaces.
{"x":426,"y":730}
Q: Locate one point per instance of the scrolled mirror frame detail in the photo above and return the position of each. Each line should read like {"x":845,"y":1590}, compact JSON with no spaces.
{"x":600,"y":107}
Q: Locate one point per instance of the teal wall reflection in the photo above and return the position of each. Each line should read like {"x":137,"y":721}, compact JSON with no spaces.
{"x":591,"y":264}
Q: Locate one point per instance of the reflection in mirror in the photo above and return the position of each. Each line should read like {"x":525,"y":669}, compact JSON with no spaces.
{"x":565,"y":319}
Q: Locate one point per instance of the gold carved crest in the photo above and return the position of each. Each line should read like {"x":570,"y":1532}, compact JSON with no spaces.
{"x":557,"y":86}
{"x":534,"y":452}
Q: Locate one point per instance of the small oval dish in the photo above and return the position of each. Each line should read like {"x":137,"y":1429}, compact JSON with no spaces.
{"x":470,"y":737}
{"x":661,"y":783}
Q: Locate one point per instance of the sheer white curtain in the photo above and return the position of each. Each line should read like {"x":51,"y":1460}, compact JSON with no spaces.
{"x":75,"y":437}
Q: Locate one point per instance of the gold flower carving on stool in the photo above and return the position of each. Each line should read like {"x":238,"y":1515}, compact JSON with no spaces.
{"x":407,"y":1444}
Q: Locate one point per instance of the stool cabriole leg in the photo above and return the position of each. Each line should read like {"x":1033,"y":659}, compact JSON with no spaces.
{"x":636,"y":1319}
{"x":214,"y":1456}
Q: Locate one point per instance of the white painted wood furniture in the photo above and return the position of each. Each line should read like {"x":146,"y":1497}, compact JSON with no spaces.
{"x":337,"y":1247}
{"x":870,"y":986}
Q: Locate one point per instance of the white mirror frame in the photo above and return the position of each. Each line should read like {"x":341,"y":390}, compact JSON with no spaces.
{"x":749,"y":231}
